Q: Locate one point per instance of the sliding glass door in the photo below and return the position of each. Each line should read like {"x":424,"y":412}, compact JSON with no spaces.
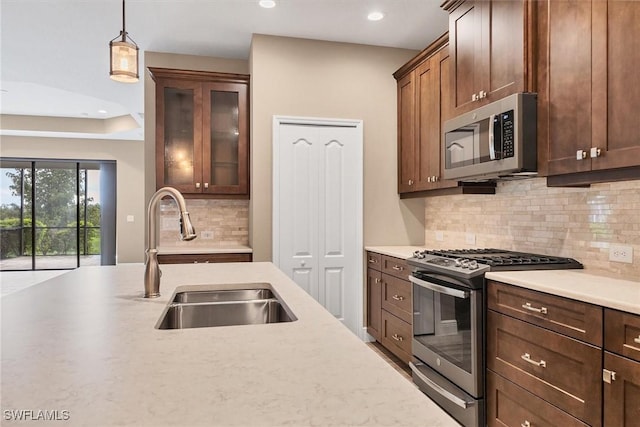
{"x":51,"y":214}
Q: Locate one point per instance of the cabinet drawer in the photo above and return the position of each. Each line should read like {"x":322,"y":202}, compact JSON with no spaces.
{"x":622,"y":333}
{"x":396,"y":336}
{"x":396,"y":297}
{"x":572,"y":318}
{"x":203,"y":258}
{"x":395,"y":267}
{"x":559,"y":369}
{"x":374,"y":260}
{"x":510,"y":405}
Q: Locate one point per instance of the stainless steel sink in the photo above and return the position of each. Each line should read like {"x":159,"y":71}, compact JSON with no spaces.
{"x":258,"y":304}
{"x":223,"y":295}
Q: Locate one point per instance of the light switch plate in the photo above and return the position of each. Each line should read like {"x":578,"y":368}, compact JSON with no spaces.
{"x":130,"y":218}
{"x":621,"y":253}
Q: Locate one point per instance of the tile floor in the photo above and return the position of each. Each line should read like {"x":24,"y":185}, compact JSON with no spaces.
{"x":391,"y":359}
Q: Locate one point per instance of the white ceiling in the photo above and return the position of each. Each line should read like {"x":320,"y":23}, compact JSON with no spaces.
{"x":55,"y":60}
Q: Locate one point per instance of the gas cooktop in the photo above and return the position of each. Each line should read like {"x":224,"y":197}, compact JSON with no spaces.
{"x":469,"y":263}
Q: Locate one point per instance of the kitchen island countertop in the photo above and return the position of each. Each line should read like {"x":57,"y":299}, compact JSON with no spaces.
{"x":84,"y":344}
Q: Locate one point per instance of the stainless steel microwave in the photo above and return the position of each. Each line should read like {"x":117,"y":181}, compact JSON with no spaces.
{"x":495,"y":141}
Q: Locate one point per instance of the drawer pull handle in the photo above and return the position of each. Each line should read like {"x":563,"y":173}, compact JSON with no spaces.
{"x":398,"y":297}
{"x":527,"y":358}
{"x":372,"y":260}
{"x":541,"y":310}
{"x":378,"y":280}
{"x":397,"y":268}
{"x":525,"y":424}
{"x":397,"y":337}
{"x":637,"y":340}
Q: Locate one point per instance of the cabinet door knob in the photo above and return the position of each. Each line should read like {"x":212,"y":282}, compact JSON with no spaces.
{"x":595,"y":152}
{"x":434,"y":178}
{"x":525,"y":424}
{"x":474,"y":97}
{"x":197,"y":185}
{"x":410,"y":182}
{"x":482,"y":94}
{"x":428,"y":179}
{"x":581,"y":154}
{"x":206,"y":185}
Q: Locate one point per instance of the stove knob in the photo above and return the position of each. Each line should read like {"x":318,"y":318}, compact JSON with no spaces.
{"x":473,"y":265}
{"x":458,"y":262}
{"x":465,"y":263}
{"x":416,"y":254}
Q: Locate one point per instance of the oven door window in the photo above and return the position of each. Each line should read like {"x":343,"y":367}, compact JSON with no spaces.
{"x":442,"y":323}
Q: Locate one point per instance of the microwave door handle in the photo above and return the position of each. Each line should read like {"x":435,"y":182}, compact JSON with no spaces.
{"x":492,"y":138}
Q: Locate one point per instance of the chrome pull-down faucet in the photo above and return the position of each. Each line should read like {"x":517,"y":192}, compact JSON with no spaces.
{"x":152,"y":271}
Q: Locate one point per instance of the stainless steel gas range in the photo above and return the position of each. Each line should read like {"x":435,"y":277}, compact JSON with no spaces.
{"x":448,"y":322}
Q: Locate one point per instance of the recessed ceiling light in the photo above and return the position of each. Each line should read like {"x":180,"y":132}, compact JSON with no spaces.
{"x":102,"y":111}
{"x":267,"y":4}
{"x":375,"y":16}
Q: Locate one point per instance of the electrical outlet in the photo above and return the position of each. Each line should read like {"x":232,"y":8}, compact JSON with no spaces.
{"x":439,"y":236}
{"x":621,"y":253}
{"x":207,"y":235}
{"x":470,"y":238}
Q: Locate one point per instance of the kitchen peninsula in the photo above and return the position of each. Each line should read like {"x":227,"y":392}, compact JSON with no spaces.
{"x":86,"y":343}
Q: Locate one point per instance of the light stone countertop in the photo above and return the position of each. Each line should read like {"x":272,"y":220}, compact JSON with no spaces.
{"x":402,"y":252}
{"x":191,"y":249}
{"x":577,"y":284}
{"x":85,"y":343}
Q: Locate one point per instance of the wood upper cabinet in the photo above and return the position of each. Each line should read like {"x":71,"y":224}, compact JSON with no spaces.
{"x":202,"y":132}
{"x":423,"y":105}
{"x":589,"y":56}
{"x":491,"y":51}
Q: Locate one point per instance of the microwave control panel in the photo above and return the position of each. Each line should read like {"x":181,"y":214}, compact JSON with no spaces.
{"x":507,"y":134}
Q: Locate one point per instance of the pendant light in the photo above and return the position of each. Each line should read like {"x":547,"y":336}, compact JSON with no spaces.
{"x":123,"y":56}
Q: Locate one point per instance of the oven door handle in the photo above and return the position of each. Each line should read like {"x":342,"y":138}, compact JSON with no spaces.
{"x":439,"y":288}
{"x":446,"y":394}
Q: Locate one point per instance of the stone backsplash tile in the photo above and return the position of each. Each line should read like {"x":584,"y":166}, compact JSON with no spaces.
{"x":227,"y":219}
{"x":526,"y":215}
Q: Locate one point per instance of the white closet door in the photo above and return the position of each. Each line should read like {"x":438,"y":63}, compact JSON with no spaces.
{"x":318,"y":217}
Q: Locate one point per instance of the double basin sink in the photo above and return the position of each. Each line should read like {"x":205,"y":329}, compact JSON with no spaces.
{"x":216,"y":305}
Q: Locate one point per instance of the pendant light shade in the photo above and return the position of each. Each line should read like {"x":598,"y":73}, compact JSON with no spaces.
{"x":123,"y":56}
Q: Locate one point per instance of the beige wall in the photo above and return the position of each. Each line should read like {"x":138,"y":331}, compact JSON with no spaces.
{"x":130,"y":178}
{"x":580,"y":223}
{"x":179,"y":62}
{"x":298,"y":77}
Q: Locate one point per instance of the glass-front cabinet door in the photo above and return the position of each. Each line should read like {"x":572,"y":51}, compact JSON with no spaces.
{"x":225,"y":131}
{"x":202,"y":132}
{"x":178,"y":132}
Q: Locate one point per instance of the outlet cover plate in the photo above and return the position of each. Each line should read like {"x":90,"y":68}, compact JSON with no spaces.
{"x":621,"y":253}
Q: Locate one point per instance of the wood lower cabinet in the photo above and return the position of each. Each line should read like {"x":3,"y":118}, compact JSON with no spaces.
{"x":622,"y":369}
{"x":512,"y":405}
{"x":203,"y":258}
{"x":544,"y":369}
{"x":542,"y":343}
{"x":374,"y":303}
{"x":389,"y":304}
{"x":586,"y":102}
{"x":556,"y":368}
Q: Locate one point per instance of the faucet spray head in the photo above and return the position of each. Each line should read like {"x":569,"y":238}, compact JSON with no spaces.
{"x":187,"y":231}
